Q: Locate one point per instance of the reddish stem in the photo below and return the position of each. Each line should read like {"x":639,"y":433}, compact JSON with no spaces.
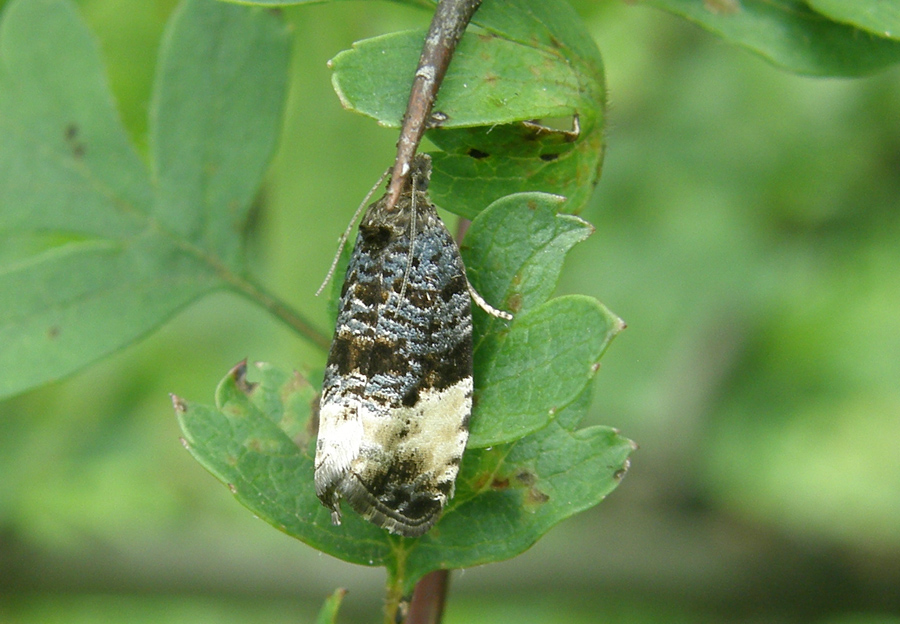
{"x":427,"y":604}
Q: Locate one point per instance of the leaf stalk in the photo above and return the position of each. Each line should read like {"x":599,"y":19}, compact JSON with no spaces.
{"x":293,"y":319}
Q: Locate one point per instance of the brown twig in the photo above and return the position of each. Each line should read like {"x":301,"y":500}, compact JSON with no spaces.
{"x":447,"y":26}
{"x":427,"y":604}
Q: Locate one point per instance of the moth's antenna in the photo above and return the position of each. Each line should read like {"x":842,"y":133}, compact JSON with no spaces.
{"x":343,"y":240}
{"x":412,"y":240}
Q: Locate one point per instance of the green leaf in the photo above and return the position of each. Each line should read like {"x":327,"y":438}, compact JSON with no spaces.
{"x":417,"y":3}
{"x":278,"y":2}
{"x":881,"y":17}
{"x":65,"y":161}
{"x":525,"y":375}
{"x":490,"y":81}
{"x":215,"y":119}
{"x":528,"y":369}
{"x":790,"y":35}
{"x":481,"y":165}
{"x":515,"y":275}
{"x":510,"y":495}
{"x":551,"y":25}
{"x":329,"y":611}
{"x":117,"y":250}
{"x":269,"y":469}
{"x":78,"y":302}
{"x":530,"y":61}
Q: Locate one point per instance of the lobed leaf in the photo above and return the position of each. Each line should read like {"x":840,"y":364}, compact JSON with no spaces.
{"x":515,"y":249}
{"x":269,"y":470}
{"x":485,"y":164}
{"x":528,"y":369}
{"x":510,"y":495}
{"x":129,"y":250}
{"x":525,"y":375}
{"x":790,"y":35}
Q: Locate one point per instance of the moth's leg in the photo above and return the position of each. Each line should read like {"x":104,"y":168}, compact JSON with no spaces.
{"x":484,"y":305}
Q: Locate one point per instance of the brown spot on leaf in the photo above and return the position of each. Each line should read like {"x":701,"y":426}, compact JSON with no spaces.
{"x":477,"y":153}
{"x":549,"y":157}
{"x":296,"y":383}
{"x":478,"y":484}
{"x":239,"y":374}
{"x":71,"y":134}
{"x":499,"y":484}
{"x":535,"y":498}
{"x":514,"y":302}
{"x":53,"y":332}
{"x":255,"y":445}
{"x":526,"y":478}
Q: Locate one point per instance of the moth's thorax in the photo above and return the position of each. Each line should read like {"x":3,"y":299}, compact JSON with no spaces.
{"x":398,"y":385}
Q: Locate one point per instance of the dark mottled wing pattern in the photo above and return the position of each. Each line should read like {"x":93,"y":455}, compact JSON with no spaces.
{"x":393,"y":420}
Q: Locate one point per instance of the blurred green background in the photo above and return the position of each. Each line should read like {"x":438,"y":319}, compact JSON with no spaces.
{"x":747,"y":230}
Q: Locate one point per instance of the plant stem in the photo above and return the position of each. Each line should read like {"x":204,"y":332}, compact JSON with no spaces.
{"x":394,"y":595}
{"x":427,"y":604}
{"x":447,"y":26}
{"x":254,"y":292}
{"x":280,"y":309}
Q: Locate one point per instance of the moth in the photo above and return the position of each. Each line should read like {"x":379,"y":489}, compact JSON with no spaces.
{"x":397,"y":395}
